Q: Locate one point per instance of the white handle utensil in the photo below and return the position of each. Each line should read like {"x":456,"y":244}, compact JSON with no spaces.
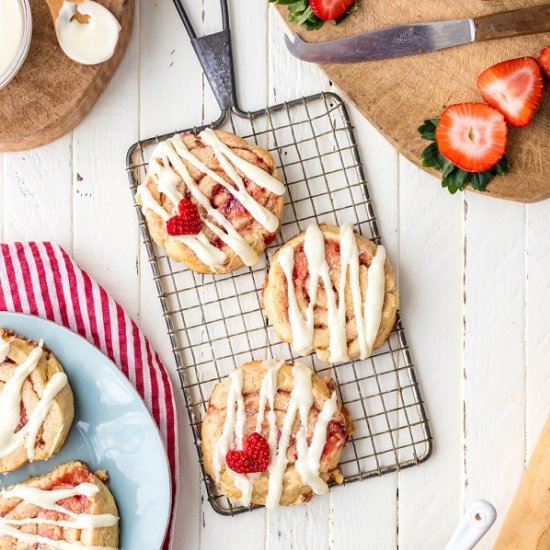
{"x":476,"y":522}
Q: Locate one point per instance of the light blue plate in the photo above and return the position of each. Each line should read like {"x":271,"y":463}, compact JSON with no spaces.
{"x":112,"y":431}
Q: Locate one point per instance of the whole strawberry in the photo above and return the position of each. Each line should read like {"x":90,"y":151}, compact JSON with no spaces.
{"x":328,"y":10}
{"x":188,"y":222}
{"x":312,"y":14}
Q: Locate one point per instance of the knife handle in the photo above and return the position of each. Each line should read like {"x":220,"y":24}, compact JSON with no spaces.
{"x":529,"y":20}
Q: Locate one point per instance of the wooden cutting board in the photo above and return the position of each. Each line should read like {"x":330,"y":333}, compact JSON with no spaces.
{"x":527,"y":522}
{"x":51,"y":94}
{"x":396,"y":95}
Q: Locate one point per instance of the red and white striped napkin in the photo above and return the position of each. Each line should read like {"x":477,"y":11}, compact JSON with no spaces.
{"x":41,"y":279}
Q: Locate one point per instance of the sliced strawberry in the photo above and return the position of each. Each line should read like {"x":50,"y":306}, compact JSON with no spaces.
{"x":545,"y":60}
{"x":513,"y":87}
{"x":327,"y":10}
{"x":472,"y":135}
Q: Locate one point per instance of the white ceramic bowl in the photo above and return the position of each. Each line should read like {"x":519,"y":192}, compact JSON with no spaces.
{"x":24,"y":45}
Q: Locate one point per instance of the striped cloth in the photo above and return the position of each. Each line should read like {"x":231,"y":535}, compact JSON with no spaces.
{"x":41,"y":279}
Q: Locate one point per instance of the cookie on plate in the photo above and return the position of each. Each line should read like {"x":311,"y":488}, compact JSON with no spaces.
{"x":36,"y":402}
{"x":69,"y":504}
{"x":331,"y":291}
{"x":273,"y":434}
{"x":213,"y":201}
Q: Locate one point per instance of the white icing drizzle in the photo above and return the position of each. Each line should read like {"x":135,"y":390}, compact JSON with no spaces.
{"x":260,"y":213}
{"x":47,"y":500}
{"x":10,"y":411}
{"x":168,"y":169}
{"x":231,"y":237}
{"x":309,"y":458}
{"x":233,"y":430}
{"x":268,"y":391}
{"x":5,"y":346}
{"x":374,"y":301}
{"x":301,"y":401}
{"x":255,"y":173}
{"x":232,"y":427}
{"x":367,"y":311}
{"x":57,"y":382}
{"x":245,"y":484}
{"x":199,"y":244}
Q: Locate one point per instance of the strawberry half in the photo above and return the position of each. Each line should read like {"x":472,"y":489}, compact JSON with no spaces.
{"x":545,"y":60}
{"x":327,"y":10}
{"x":513,"y":87}
{"x":472,"y":136}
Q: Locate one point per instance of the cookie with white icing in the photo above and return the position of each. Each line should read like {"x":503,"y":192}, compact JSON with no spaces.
{"x":232,"y":186}
{"x":273,"y":434}
{"x":70,"y":505}
{"x":36,"y":402}
{"x":331,"y":291}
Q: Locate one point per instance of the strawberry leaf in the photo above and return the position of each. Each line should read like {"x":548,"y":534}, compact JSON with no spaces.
{"x":452,"y":177}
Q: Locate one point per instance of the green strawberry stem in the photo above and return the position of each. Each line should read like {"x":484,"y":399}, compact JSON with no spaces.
{"x":454,"y":178}
{"x":299,"y":12}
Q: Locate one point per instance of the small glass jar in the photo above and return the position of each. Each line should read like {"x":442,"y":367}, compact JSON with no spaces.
{"x":24,"y":44}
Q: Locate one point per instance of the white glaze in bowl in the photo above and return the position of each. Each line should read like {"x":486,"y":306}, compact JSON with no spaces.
{"x":15,"y":37}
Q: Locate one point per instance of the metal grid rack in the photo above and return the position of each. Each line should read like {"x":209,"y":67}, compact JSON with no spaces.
{"x":215,"y":322}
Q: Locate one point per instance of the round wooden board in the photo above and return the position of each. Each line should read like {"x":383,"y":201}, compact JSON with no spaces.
{"x":397,"y":95}
{"x":51,"y":94}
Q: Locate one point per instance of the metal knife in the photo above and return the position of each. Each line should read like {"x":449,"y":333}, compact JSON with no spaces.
{"x":405,"y":40}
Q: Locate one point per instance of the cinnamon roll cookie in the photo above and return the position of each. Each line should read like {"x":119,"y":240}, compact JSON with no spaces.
{"x":331,"y":291}
{"x":273,"y":434}
{"x":36,"y":402}
{"x":70,"y":507}
{"x":213,"y":201}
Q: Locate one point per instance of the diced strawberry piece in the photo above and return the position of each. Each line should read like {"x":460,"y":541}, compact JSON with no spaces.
{"x":72,"y":478}
{"x":545,"y":60}
{"x":472,"y":135}
{"x":270,"y":238}
{"x":327,"y":10}
{"x":253,"y":458}
{"x":52,"y":532}
{"x":77,"y":504}
{"x":23,"y":418}
{"x":513,"y":87}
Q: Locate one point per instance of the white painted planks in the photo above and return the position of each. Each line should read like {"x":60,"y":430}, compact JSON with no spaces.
{"x":38,"y":194}
{"x":494,"y":351}
{"x":431,"y":265}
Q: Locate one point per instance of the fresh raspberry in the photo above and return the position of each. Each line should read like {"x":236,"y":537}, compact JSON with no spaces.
{"x":253,"y":458}
{"x":188,"y":222}
{"x":174,"y":226}
{"x":191,"y":217}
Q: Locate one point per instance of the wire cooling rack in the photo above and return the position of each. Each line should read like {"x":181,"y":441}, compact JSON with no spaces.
{"x":216,"y":323}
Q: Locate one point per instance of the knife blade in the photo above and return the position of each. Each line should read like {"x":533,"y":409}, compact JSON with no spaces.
{"x":405,"y":40}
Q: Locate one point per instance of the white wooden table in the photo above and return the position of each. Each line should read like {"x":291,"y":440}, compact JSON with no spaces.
{"x":473,"y":275}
